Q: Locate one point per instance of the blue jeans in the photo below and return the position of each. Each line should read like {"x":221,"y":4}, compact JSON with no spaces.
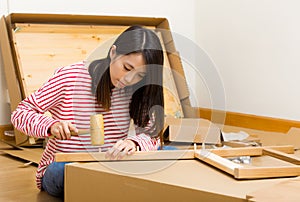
{"x":168,"y":148}
{"x":53,"y":179}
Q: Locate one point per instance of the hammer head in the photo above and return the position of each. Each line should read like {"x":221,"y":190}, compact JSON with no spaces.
{"x":97,"y":129}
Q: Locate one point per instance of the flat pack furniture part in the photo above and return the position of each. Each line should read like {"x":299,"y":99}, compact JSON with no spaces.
{"x":286,"y":165}
{"x":137,"y":156}
{"x":34,"y":45}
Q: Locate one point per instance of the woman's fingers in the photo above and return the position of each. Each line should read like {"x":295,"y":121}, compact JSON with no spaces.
{"x":62,"y":130}
{"x":73,"y":128}
{"x":121,"y":149}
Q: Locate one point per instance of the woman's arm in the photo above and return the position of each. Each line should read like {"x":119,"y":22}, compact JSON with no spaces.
{"x":29,"y":116}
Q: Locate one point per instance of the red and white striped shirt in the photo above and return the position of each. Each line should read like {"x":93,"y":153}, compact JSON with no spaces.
{"x":68,"y":97}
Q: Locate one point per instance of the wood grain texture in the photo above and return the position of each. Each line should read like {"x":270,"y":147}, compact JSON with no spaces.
{"x":217,"y":161}
{"x":150,"y":155}
{"x":250,"y":151}
{"x":266,"y":172}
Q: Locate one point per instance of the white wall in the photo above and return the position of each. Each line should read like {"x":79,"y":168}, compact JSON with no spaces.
{"x":255,"y":45}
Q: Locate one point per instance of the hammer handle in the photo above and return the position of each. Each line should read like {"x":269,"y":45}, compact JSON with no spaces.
{"x":81,"y":132}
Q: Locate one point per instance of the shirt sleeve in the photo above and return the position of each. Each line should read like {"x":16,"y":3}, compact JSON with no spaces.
{"x":29,"y":116}
{"x":143,"y":138}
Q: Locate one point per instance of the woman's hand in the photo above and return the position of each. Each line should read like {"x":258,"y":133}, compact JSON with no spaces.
{"x":62,"y":130}
{"x":121,"y":149}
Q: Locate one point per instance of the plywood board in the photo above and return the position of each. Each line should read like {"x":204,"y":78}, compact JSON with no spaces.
{"x":42,"y":48}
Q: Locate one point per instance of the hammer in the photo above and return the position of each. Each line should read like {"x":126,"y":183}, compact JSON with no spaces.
{"x":96,"y":130}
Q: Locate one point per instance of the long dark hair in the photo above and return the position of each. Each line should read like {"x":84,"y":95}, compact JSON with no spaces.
{"x":147,"y":99}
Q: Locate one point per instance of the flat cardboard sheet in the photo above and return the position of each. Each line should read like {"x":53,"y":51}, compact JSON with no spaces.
{"x":183,"y":180}
{"x":31,"y":155}
{"x":287,"y":190}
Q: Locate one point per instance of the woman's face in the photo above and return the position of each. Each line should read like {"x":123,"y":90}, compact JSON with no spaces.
{"x":126,"y":70}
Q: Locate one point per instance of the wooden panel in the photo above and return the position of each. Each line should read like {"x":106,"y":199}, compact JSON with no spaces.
{"x":266,"y":172}
{"x":150,"y":155}
{"x":43,"y":48}
{"x":84,"y":19}
{"x":251,"y":151}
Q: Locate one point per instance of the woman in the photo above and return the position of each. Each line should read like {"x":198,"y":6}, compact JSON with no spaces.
{"x":126,"y":85}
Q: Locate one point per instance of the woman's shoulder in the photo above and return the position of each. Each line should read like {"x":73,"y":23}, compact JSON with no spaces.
{"x":74,"y":69}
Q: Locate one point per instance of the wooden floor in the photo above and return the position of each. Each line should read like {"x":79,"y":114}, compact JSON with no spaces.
{"x":17,"y":183}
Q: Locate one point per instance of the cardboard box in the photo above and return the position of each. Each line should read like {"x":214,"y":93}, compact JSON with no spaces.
{"x":34,"y":45}
{"x":6,"y":132}
{"x":193,"y":130}
{"x":181,"y":180}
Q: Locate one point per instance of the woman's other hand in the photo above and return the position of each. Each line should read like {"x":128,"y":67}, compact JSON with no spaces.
{"x":121,"y":149}
{"x":62,"y":130}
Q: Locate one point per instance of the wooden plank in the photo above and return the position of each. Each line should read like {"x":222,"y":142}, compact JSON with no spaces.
{"x":266,"y":172}
{"x":243,"y":151}
{"x":150,"y":155}
{"x":281,"y":155}
{"x":84,"y":19}
{"x":289,"y":149}
{"x":217,"y":161}
{"x":250,"y":151}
